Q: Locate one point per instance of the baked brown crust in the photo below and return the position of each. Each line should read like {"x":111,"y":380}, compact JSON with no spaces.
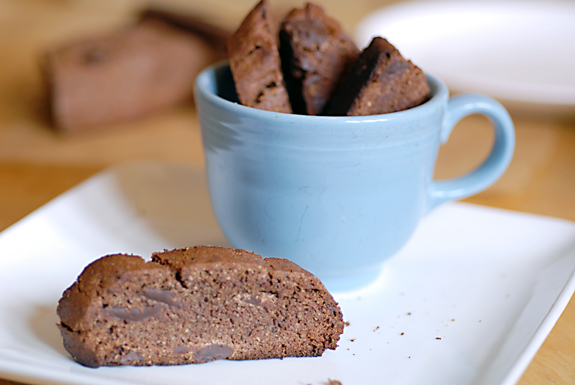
{"x":196,"y":305}
{"x":380,"y":81}
{"x":124,"y":75}
{"x":316,"y":55}
{"x":255,"y":63}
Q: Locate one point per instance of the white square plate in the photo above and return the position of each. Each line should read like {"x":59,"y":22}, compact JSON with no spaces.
{"x":469,"y":300}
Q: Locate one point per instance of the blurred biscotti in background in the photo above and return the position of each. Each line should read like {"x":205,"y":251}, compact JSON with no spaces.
{"x":129,"y":73}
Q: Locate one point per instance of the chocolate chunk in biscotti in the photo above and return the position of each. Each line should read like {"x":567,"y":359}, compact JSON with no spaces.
{"x":124,"y":75}
{"x":380,"y":81}
{"x":255,"y":63}
{"x":316,"y":54}
{"x":196,"y":305}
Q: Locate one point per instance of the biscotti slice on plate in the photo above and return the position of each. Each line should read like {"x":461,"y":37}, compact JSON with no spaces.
{"x":255,"y":63}
{"x":380,"y":81}
{"x":196,"y":305}
{"x":316,"y":54}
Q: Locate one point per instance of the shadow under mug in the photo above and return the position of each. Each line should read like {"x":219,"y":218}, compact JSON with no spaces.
{"x":336,"y":195}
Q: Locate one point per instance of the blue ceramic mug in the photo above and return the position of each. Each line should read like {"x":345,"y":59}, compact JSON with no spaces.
{"x":336,"y":195}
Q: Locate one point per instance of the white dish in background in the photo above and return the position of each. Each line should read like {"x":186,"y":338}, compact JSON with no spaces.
{"x":515,"y":51}
{"x":469,"y":301}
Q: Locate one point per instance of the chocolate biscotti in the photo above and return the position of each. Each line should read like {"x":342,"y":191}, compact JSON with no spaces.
{"x":196,"y":305}
{"x":124,"y":75}
{"x":380,"y":81}
{"x":315,"y":55}
{"x":255,"y":63}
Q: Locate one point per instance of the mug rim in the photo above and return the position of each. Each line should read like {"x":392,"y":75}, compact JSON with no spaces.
{"x":439,"y":94}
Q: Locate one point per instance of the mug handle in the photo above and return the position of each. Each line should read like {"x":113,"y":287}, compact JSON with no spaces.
{"x":496,"y":163}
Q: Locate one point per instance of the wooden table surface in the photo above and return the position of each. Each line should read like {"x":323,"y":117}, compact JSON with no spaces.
{"x":37,"y":164}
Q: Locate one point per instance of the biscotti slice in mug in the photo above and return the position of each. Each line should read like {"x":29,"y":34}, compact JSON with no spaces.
{"x":196,"y":305}
{"x":380,"y":81}
{"x":255,"y":63}
{"x":316,"y":54}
